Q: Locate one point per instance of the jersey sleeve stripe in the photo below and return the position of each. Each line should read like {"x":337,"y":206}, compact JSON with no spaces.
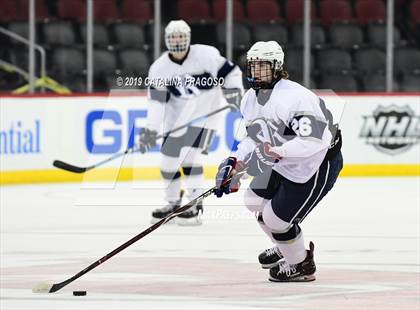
{"x":201,"y":79}
{"x":225,"y":69}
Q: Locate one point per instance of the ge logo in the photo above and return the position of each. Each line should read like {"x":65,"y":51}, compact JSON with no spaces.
{"x":302,"y":126}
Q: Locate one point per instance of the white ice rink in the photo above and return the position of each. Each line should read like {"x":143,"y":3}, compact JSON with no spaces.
{"x":366,"y":234}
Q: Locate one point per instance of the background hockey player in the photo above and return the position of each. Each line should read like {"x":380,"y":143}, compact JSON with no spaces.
{"x":182,"y":89}
{"x":293,"y":151}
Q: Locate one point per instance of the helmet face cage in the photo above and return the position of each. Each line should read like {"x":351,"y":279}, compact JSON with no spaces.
{"x":177,"y":42}
{"x":260,"y":73}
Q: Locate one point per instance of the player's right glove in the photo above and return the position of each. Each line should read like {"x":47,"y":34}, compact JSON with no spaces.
{"x":147,"y":140}
{"x":227,"y":180}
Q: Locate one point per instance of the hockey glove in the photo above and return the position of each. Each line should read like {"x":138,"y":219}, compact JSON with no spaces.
{"x":226,"y":179}
{"x":233,"y":97}
{"x":147,"y":140}
{"x":261,"y":159}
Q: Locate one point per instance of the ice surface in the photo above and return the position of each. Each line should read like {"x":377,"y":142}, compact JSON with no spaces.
{"x":366,"y":235}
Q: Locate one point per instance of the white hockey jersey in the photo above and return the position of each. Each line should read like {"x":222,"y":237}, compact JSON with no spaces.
{"x":180,"y":92}
{"x":297,"y":125}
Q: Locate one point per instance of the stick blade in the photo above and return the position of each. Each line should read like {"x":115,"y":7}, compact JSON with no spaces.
{"x":42,"y":288}
{"x":65,"y":166}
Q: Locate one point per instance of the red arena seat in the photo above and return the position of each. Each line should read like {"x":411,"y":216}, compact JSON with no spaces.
{"x":193,"y":10}
{"x":219,"y":10}
{"x":136,"y":11}
{"x":72,"y":9}
{"x":335,"y":10}
{"x":263,"y":11}
{"x":370,"y":11}
{"x":294,"y":11}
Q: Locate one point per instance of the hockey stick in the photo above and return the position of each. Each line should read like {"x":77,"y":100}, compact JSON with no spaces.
{"x":77,"y":169}
{"x":51,"y":288}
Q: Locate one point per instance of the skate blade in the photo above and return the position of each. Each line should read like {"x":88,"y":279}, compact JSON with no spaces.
{"x":268,"y":266}
{"x":308,"y":278}
{"x":188,"y":222}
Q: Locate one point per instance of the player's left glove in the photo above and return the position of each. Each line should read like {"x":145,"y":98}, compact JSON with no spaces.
{"x":227,"y":180}
{"x":261,"y":159}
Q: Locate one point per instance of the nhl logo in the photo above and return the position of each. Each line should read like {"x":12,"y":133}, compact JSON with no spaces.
{"x":392,"y":130}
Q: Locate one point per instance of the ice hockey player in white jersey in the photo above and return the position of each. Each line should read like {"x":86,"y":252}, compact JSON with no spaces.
{"x":293,"y":150}
{"x":186,"y":82}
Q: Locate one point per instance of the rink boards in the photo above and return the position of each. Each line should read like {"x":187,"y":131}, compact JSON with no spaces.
{"x":380,"y":132}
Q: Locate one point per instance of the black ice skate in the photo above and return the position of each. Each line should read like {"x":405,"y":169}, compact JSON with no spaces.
{"x":191,"y":217}
{"x":161,"y":213}
{"x":270,"y":258}
{"x":302,"y":272}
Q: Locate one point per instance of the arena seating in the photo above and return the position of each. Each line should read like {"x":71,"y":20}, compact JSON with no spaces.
{"x":339,"y":82}
{"x":72,"y":9}
{"x":101,"y":36}
{"x":294,"y":11}
{"x":129,"y":35}
{"x":136,"y":11}
{"x":318,"y":35}
{"x":369,"y":11}
{"x":348,"y":37}
{"x":370,"y":60}
{"x":193,"y":11}
{"x":219,"y":11}
{"x":376,"y":82}
{"x":271,"y":31}
{"x":376,"y":34}
{"x":59,"y":33}
{"x":263,"y":10}
{"x":9,"y":11}
{"x":41,"y":11}
{"x":105,"y":11}
{"x":335,"y":10}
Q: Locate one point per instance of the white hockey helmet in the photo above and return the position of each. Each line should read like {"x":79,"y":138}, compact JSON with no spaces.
{"x":261,"y":52}
{"x":269,"y":51}
{"x":177,"y":36}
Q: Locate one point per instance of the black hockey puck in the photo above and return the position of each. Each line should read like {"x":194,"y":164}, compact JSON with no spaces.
{"x":79,"y":293}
